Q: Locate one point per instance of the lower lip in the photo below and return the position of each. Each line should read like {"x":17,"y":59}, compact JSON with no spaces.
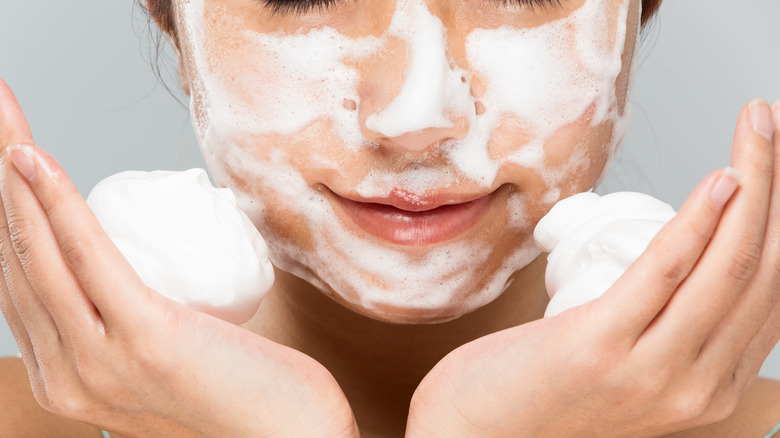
{"x":416,"y":227}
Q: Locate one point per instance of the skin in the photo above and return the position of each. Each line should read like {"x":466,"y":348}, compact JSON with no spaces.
{"x":234,"y":63}
{"x":669,"y":348}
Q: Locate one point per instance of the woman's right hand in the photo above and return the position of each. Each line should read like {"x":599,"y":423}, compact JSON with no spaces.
{"x":102,"y":348}
{"x":670,"y":346}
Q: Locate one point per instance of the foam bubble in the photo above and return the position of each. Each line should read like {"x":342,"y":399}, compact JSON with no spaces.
{"x":433,"y":91}
{"x":186,"y":240}
{"x":592,"y":240}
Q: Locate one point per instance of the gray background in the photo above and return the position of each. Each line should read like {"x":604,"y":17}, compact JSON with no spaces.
{"x":81,"y":73}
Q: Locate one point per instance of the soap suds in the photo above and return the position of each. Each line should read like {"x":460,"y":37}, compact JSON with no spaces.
{"x":592,"y":240}
{"x":433,"y":91}
{"x":186,"y":240}
{"x":544,"y":76}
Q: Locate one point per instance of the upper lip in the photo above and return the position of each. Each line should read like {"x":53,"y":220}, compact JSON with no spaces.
{"x":418,"y":202}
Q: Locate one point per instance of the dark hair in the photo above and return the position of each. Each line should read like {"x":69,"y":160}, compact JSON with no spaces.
{"x":649,"y":9}
{"x":161,"y":11}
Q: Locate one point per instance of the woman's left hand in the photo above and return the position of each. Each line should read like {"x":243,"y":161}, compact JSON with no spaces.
{"x":671,"y":346}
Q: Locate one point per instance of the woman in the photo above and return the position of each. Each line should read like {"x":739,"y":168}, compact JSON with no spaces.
{"x":396,"y":156}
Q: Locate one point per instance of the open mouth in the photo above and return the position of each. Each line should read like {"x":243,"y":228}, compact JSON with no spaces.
{"x":413,"y":220}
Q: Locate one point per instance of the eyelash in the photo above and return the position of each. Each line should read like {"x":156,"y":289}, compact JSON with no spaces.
{"x":298,"y":7}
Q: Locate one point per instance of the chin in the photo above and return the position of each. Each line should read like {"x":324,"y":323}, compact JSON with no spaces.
{"x":411,"y":315}
{"x":427,"y":307}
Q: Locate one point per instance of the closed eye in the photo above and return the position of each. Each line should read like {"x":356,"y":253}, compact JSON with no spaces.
{"x":298,"y":7}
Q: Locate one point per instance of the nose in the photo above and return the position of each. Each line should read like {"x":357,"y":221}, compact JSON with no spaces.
{"x":433,"y":104}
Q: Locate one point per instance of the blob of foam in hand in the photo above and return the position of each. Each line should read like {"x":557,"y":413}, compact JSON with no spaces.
{"x":592,"y":240}
{"x":186,"y":240}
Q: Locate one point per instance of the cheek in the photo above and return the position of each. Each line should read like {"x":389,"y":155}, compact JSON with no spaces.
{"x":558,"y":93}
{"x":571,"y":161}
{"x":265,"y":83}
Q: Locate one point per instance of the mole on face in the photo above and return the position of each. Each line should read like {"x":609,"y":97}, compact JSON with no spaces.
{"x":350,"y":104}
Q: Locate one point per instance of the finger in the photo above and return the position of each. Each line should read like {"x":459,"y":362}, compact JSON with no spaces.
{"x":35,"y":264}
{"x":106,"y":278}
{"x":7,"y":306}
{"x":731,"y":259}
{"x":30,"y":322}
{"x":753,"y":357}
{"x":13,"y":125}
{"x":637,"y":297}
{"x":19,"y":332}
{"x":750,"y":330}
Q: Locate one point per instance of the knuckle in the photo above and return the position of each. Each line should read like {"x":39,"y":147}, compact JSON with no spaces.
{"x":68,"y":404}
{"x":708,"y":403}
{"x":21,"y":232}
{"x":75,"y":251}
{"x":722,"y":409}
{"x":744,"y":259}
{"x":691,"y":405}
{"x":763,"y":167}
{"x":671,"y":274}
{"x":673,"y":268}
{"x":56,"y":397}
{"x":4,"y":243}
{"x":697,"y":230}
{"x":723,"y":402}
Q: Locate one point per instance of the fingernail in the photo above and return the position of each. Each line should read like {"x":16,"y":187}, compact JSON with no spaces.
{"x":761,"y":118}
{"x":725,"y":186}
{"x":776,"y":110}
{"x":22,"y":156}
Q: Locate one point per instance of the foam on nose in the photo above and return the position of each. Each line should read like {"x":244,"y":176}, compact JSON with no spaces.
{"x":433,"y":91}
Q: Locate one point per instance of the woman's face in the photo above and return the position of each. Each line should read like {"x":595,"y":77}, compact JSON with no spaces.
{"x":397,"y":154}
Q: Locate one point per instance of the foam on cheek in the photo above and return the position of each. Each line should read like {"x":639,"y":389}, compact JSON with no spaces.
{"x":390,"y":283}
{"x":548,"y":77}
{"x":304,"y":78}
{"x":311,"y":82}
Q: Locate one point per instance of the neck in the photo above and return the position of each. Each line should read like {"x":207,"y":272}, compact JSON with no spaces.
{"x":380,"y":364}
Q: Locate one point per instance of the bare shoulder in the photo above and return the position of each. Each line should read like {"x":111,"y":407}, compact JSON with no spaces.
{"x":757,"y":413}
{"x":20,"y":414}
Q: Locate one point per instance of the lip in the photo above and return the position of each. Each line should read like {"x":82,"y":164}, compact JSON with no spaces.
{"x":411,"y":219}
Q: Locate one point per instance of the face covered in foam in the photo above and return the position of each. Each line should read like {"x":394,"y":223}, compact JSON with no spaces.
{"x":314,"y":118}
